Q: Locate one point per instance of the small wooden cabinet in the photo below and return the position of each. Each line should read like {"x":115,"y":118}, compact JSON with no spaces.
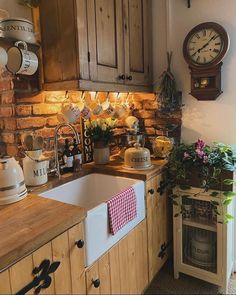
{"x":68,"y":278}
{"x":124,"y":268}
{"x":96,"y":45}
{"x":158,"y":225}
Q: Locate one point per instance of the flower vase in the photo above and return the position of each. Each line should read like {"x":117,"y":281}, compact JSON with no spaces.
{"x":101,"y":153}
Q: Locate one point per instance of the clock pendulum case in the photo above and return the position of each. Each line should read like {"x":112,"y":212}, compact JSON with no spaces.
{"x":204,"y":48}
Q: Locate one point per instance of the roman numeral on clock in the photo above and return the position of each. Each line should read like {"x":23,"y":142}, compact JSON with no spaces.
{"x":216,"y":50}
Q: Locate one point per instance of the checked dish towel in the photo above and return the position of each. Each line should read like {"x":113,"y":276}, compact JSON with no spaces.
{"x":122,"y":208}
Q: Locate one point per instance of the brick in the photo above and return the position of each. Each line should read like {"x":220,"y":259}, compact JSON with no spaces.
{"x":137,"y":105}
{"x":143,"y":96}
{"x":54,"y":96}
{"x":143,"y":114}
{"x":113,"y":96}
{"x":150,"y":105}
{"x":33,"y":99}
{"x":23,"y":110}
{"x":45,"y":132}
{"x":150,"y":131}
{"x":52,"y":121}
{"x":75,"y":96}
{"x":12,"y":150}
{"x":46,"y":109}
{"x":5,"y":85}
{"x":7,"y":97}
{"x":10,"y":124}
{"x":7,"y":137}
{"x":6,"y":111}
{"x":1,"y":123}
{"x":24,"y":123}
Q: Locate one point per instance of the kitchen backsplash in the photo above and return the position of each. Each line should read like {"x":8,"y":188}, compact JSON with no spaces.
{"x":38,"y":114}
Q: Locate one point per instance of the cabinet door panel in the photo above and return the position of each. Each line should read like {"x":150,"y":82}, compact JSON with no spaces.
{"x":5,"y":287}
{"x":114,"y":259}
{"x":104,"y":275}
{"x":21,"y":274}
{"x":77,"y":260}
{"x":142,"y":256}
{"x":62,"y":277}
{"x":136,"y":36}
{"x":92,"y":274}
{"x":41,"y":254}
{"x":105,"y":40}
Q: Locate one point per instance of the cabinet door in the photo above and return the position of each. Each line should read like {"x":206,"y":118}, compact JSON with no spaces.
{"x":59,"y":40}
{"x":136,"y":39}
{"x":105,"y":34}
{"x":68,"y":278}
{"x":157,"y":228}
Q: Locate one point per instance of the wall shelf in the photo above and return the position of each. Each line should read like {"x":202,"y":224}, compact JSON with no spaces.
{"x":197,"y":223}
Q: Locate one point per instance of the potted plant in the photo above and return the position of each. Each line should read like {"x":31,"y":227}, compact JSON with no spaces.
{"x":205,"y":167}
{"x":101,"y":132}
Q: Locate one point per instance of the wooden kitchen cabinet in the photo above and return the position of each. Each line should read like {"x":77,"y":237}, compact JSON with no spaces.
{"x":124,"y":268}
{"x":158,"y":221}
{"x":98,"y":45}
{"x":68,"y":278}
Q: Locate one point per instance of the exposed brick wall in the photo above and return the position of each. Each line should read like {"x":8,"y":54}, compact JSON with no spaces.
{"x":37,"y":114}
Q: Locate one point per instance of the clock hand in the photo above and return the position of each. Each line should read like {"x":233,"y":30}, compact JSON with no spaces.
{"x":205,"y":45}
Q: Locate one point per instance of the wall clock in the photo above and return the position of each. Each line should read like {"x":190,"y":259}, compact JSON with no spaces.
{"x":204,"y":48}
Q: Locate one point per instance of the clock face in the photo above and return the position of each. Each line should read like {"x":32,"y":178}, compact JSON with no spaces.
{"x":204,"y":46}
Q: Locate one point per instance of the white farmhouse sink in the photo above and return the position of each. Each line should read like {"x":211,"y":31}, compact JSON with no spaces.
{"x":92,"y":192}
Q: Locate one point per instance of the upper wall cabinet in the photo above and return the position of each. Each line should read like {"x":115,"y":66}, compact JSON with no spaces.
{"x":96,"y":45}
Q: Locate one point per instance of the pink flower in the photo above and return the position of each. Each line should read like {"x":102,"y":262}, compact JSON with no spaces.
{"x":200,"y":153}
{"x":186,"y":155}
{"x":205,"y":159}
{"x":200,"y":144}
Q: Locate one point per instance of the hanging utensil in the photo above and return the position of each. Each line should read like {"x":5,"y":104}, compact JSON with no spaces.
{"x":38,"y":143}
{"x":28,"y":142}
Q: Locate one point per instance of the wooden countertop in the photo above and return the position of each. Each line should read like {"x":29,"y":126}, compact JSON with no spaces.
{"x":29,"y":224}
{"x":115,"y":167}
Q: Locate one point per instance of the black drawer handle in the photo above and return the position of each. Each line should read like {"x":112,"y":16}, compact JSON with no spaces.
{"x":151,"y":191}
{"x":79,"y":243}
{"x":96,"y":283}
{"x":129,"y":78}
{"x":121,"y":77}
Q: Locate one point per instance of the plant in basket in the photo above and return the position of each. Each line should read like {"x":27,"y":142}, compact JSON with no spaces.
{"x":205,"y":167}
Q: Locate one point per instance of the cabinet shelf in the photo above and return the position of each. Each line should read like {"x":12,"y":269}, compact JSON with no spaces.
{"x":196,"y":222}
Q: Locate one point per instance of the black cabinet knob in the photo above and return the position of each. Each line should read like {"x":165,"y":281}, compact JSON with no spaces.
{"x":79,"y":243}
{"x":151,"y":191}
{"x":121,"y":77}
{"x":96,"y":283}
{"x":130,"y":78}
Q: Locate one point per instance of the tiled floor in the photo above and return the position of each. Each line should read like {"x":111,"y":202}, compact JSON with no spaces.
{"x":165,"y":284}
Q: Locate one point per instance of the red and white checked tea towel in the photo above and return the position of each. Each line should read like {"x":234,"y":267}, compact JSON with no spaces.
{"x":122,"y":208}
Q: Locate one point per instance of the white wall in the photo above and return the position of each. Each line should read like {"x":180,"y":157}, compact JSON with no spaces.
{"x":210,"y":120}
{"x":15,"y":10}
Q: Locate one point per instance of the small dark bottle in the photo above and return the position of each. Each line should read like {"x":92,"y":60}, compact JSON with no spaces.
{"x":76,"y":152}
{"x":68,"y":157}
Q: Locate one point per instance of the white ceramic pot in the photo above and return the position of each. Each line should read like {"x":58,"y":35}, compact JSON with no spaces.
{"x":17,"y":29}
{"x":101,"y":155}
{"x":35,"y":168}
{"x":21,"y":61}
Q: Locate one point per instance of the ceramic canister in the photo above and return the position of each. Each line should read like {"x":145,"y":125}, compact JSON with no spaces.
{"x":21,"y":61}
{"x":35,"y":168}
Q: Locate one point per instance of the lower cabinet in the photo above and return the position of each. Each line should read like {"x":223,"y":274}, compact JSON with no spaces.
{"x":124,"y":268}
{"x":55,"y":268}
{"x":158,"y":226}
